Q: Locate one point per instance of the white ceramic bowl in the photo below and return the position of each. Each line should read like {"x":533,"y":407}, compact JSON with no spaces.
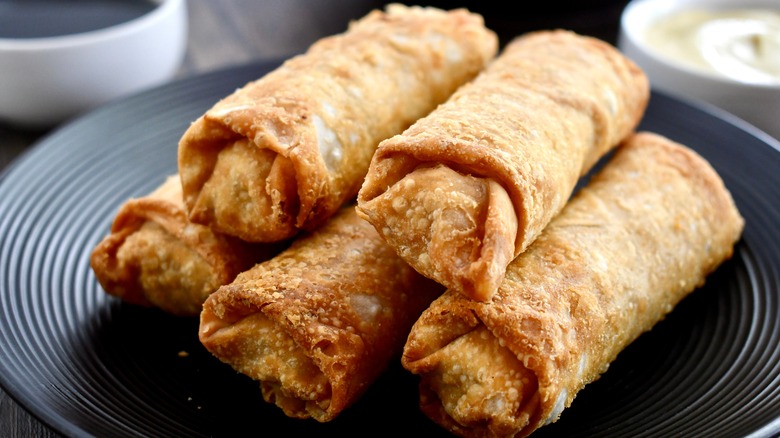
{"x":45,"y":80}
{"x":758,"y":104}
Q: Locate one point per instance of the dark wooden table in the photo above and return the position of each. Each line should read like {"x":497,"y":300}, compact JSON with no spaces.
{"x":231,"y":32}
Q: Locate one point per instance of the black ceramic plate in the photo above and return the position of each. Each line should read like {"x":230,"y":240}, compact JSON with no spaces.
{"x":86,"y":364}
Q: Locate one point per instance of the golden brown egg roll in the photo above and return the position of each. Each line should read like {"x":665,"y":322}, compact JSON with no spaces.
{"x":467,"y":188}
{"x":284,"y":152}
{"x":316,"y":325}
{"x":645,"y":232}
{"x":154,"y":256}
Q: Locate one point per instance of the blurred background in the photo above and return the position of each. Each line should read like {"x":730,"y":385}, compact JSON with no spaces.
{"x":282,"y":27}
{"x":231,"y":32}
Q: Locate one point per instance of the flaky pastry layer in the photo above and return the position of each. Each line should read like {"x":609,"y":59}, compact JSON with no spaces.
{"x":318,"y":323}
{"x":154,"y":256}
{"x":533,"y":122}
{"x":645,"y":232}
{"x":284,"y":152}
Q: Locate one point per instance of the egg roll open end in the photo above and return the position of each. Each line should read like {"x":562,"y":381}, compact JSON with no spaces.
{"x":154,"y":256}
{"x":170,"y":274}
{"x":477,"y":386}
{"x":287,"y":376}
{"x":240,"y":173}
{"x":458,"y":228}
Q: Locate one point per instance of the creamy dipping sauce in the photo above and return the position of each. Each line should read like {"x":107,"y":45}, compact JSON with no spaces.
{"x":742,"y":44}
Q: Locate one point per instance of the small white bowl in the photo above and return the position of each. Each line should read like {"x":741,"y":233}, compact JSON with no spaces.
{"x":756,"y":103}
{"x":46,"y":80}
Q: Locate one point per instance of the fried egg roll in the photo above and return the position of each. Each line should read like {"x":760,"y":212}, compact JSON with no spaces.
{"x":645,"y":232}
{"x":316,"y":325}
{"x":154,"y":256}
{"x":467,"y":188}
{"x":284,"y":152}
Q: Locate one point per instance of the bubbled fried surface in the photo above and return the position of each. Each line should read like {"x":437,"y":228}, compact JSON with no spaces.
{"x":534,"y":121}
{"x":322,"y":114}
{"x":644,"y":233}
{"x":154,"y":256}
{"x":342,"y":297}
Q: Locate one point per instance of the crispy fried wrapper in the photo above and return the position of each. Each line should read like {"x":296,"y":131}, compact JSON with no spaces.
{"x":316,"y":325}
{"x":643,"y":234}
{"x":284,"y":152}
{"x":154,"y":256}
{"x":467,"y":188}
